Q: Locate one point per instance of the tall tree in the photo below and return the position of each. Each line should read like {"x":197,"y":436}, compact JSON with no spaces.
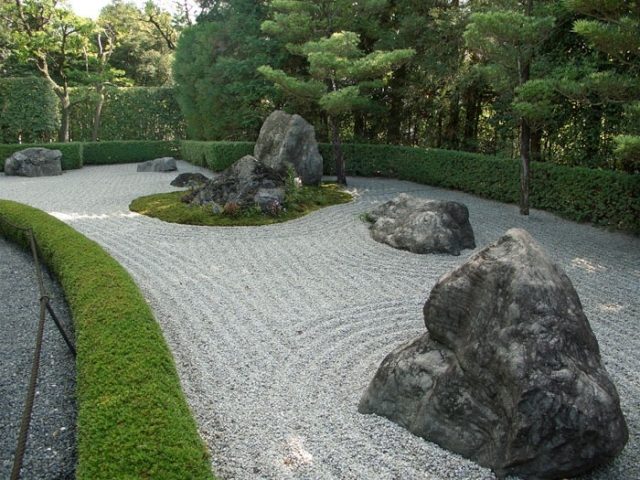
{"x":55,"y":40}
{"x":338,"y":72}
{"x":220,"y":92}
{"x":507,"y":42}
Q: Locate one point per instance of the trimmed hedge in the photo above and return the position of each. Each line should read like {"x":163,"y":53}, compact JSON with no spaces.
{"x":133,"y":420}
{"x":72,"y":153}
{"x":107,"y":153}
{"x":214,"y":155}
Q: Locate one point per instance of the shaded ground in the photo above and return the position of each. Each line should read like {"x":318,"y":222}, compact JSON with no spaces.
{"x":50,"y":452}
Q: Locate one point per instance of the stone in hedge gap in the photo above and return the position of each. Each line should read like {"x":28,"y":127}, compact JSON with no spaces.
{"x":246,"y":183}
{"x":422,"y":226}
{"x":189,"y":179}
{"x":164,"y":164}
{"x":509,"y":373}
{"x":290,"y":140}
{"x":34,"y":162}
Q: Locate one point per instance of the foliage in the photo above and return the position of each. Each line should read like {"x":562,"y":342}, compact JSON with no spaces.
{"x":144,"y":40}
{"x":169,"y":207}
{"x":627,"y":153}
{"x":214,"y":155}
{"x":55,"y":40}
{"x":134,"y":113}
{"x":220,"y":93}
{"x":28,"y":110}
{"x":72,"y":153}
{"x":133,"y":420}
{"x":108,"y":153}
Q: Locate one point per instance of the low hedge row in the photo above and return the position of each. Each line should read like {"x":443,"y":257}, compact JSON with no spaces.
{"x":214,"y":155}
{"x":72,"y":153}
{"x":133,"y":420}
{"x":129,"y":151}
{"x":602,"y":197}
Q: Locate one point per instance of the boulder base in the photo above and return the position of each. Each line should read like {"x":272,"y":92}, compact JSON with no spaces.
{"x":245,"y":183}
{"x":34,"y":162}
{"x":191,"y":180}
{"x":289,"y":140}
{"x":422,"y":226}
{"x":509,"y":373}
{"x":164,"y":164}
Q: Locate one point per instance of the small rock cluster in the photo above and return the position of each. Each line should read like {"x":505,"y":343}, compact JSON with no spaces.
{"x":509,"y":372}
{"x":285,"y":141}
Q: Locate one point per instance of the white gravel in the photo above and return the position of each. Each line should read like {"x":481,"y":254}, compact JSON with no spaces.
{"x":276,"y":331}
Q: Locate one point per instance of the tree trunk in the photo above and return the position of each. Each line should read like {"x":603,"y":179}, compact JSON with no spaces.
{"x":536,"y":145}
{"x":453,"y":123}
{"x":394,"y":117}
{"x":337,"y":151}
{"x":97,"y":116}
{"x":65,"y":104}
{"x":525,"y":157}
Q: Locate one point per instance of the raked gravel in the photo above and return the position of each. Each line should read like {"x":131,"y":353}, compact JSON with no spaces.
{"x":277,"y":330}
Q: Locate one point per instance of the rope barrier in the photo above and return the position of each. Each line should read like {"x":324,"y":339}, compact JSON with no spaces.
{"x":45,"y":307}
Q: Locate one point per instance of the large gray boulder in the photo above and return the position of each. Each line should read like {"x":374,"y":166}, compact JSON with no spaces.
{"x":290,"y":140}
{"x":509,"y":373}
{"x":164,"y":164}
{"x":34,"y":162}
{"x":246,"y":183}
{"x":422,"y":226}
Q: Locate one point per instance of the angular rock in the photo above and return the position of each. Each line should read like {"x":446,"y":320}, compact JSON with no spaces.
{"x":422,"y":226}
{"x":34,"y":162}
{"x":290,"y":140}
{"x":191,"y":180}
{"x":509,"y":373}
{"x":246,"y":183}
{"x":164,"y":164}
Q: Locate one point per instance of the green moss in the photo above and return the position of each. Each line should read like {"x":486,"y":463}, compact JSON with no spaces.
{"x":133,"y":420}
{"x":169,"y":208}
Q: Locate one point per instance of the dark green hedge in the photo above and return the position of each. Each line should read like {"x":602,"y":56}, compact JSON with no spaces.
{"x":133,"y":420}
{"x":214,"y":155}
{"x":29,"y":110}
{"x":105,"y":153}
{"x":72,"y":153}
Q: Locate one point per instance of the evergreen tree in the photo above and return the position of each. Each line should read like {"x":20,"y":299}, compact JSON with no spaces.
{"x":338,"y":71}
{"x":508,"y":41}
{"x":220,"y":92}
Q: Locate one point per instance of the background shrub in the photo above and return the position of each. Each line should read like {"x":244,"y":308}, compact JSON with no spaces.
{"x":72,"y":153}
{"x":214,"y":155}
{"x":107,"y":153}
{"x":133,"y":113}
{"x":29,"y":110}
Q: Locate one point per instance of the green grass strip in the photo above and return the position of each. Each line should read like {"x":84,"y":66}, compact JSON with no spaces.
{"x":133,"y":420}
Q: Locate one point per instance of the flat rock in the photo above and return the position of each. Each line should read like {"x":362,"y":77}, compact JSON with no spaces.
{"x":34,"y":162}
{"x":189,"y":179}
{"x":422,"y":226}
{"x":291,"y":141}
{"x":164,"y":164}
{"x":509,"y":372}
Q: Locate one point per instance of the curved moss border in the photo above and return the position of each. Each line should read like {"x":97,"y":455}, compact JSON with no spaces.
{"x":133,"y":420}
